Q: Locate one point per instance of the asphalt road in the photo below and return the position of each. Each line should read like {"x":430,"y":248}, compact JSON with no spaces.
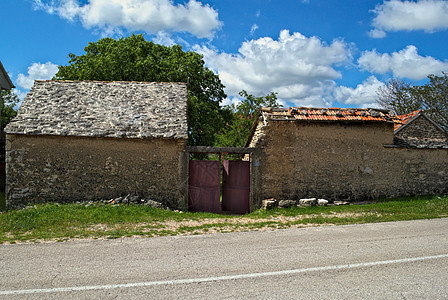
{"x":400,"y":260}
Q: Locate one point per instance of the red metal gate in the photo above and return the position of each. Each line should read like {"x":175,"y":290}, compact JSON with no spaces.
{"x":204,"y":186}
{"x":235,"y":186}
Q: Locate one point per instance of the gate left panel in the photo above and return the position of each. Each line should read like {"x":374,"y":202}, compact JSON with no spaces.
{"x":204,"y":186}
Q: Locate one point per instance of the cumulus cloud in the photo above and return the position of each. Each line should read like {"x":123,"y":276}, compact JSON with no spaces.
{"x":395,"y":15}
{"x":163,"y":38}
{"x":36,"y":71}
{"x":300,"y":69}
{"x":406,"y":63}
{"x":151,"y":16}
{"x":364,"y":95}
{"x":377,"y":34}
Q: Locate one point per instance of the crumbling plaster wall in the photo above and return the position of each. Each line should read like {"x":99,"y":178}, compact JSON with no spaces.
{"x":344,"y":161}
{"x":52,"y":168}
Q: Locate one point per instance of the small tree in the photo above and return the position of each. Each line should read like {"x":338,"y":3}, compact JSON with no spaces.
{"x":9,"y":100}
{"x":396,"y":96}
{"x":404,"y":98}
{"x":236,"y":132}
{"x":135,"y":59}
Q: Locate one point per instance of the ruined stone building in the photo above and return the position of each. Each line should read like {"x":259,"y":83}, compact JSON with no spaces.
{"x":87,"y":140}
{"x":419,"y":131}
{"x":343,"y":154}
{"x":74,"y":140}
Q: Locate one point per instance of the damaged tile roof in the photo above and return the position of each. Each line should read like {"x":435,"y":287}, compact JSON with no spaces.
{"x":312,"y":114}
{"x":406,"y":118}
{"x":103,"y":109}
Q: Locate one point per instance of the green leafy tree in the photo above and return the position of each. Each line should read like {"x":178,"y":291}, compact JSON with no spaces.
{"x":9,"y":100}
{"x":404,"y":98}
{"x":135,"y":59}
{"x":236,"y":132}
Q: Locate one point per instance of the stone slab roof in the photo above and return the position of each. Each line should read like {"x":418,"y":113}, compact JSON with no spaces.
{"x":103,"y":109}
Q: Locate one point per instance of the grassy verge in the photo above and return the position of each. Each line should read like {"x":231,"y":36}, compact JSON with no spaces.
{"x":73,"y":221}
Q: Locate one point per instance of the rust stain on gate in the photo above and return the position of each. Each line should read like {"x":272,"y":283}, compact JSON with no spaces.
{"x":204,"y":186}
{"x":235,"y":186}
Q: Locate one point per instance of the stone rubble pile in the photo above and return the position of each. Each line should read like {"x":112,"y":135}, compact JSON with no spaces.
{"x":128,"y":199}
{"x":273,"y":203}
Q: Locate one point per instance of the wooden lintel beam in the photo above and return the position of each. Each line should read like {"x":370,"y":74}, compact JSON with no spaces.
{"x":205,"y":149}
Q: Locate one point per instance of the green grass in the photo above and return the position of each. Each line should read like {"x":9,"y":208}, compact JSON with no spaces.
{"x":395,"y":209}
{"x":69,"y":221}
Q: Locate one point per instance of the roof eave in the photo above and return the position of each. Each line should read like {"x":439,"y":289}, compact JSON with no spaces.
{"x":7,"y":79}
{"x":331,"y":121}
{"x":254,"y":126}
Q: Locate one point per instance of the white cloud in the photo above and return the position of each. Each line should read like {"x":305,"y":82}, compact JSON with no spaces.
{"x":364,"y":95}
{"x":406,"y":63}
{"x":377,"y":34}
{"x":151,"y":16}
{"x":395,"y":15}
{"x":299,"y":68}
{"x":253,"y":29}
{"x":36,"y":71}
{"x":163,"y":38}
{"x":231,"y":101}
{"x":21,"y":94}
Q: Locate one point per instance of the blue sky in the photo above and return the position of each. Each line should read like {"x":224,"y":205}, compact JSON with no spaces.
{"x":311,"y":52}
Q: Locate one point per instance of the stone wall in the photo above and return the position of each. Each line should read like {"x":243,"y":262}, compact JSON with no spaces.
{"x":421,"y":133}
{"x":51,"y":168}
{"x":341,"y":161}
{"x":421,"y":127}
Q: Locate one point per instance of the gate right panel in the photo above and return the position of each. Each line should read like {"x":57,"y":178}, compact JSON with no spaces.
{"x":235,"y":186}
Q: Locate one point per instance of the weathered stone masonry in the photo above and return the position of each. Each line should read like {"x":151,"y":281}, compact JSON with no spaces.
{"x":88,"y":140}
{"x":76,"y":141}
{"x":48,"y":168}
{"x":419,"y":131}
{"x":343,"y":161}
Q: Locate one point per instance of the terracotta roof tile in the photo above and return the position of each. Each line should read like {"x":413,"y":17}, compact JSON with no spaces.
{"x":406,"y":118}
{"x":333,"y":114}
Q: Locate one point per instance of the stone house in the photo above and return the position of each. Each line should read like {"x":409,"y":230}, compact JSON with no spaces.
{"x":419,"y":131}
{"x":5,"y":84}
{"x":5,"y":81}
{"x":341,"y":154}
{"x":84,"y":140}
